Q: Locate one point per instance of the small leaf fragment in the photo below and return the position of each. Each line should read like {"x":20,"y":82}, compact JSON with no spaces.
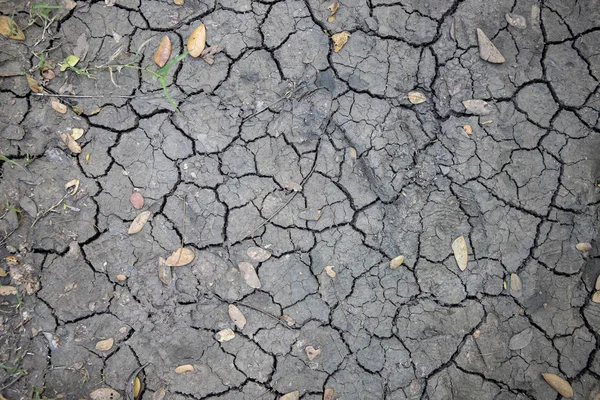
{"x":47,"y":73}
{"x":76,"y":133}
{"x":339,"y":40}
{"x":396,"y":262}
{"x":71,"y":144}
{"x":77,"y":110}
{"x":8,"y":290}
{"x":12,"y":260}
{"x":96,"y":111}
{"x":329,"y":271}
{"x":487,"y":50}
{"x":87,"y":158}
{"x":178,"y":2}
{"x":516,"y":20}
{"x":73,"y":185}
{"x":476,"y":334}
{"x":468,"y":129}
{"x":310,"y":214}
{"x":249,"y":274}
{"x":163,"y":53}
{"x":137,"y":387}
{"x":29,"y":206}
{"x":105,"y":345}
{"x":295,"y":395}
{"x":312,"y":353}
{"x":3,"y":272}
{"x":180,"y":257}
{"x":137,"y":200}
{"x":477,"y":107}
{"x":139,"y":222}
{"x":10,"y":29}
{"x":224,"y":335}
{"x":197,"y":41}
{"x":33,"y":84}
{"x":596,"y":297}
{"x":332,"y":10}
{"x":583,"y":246}
{"x":208,"y":54}
{"x":597,"y":286}
{"x":236,"y":316}
{"x":164,"y":272}
{"x":559,"y":384}
{"x":105,"y":394}
{"x":328,"y":394}
{"x":515,"y":284}
{"x":416,"y":97}
{"x":258,"y":254}
{"x":121,"y":277}
{"x":160,"y":394}
{"x":184,"y":368}
{"x":58,"y":106}
{"x":288,"y":320}
{"x":68,"y":62}
{"x":461,"y":253}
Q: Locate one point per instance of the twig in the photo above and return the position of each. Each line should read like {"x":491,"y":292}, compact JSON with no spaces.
{"x":286,"y":96}
{"x":264,"y":312}
{"x":88,"y":96}
{"x":43,"y":213}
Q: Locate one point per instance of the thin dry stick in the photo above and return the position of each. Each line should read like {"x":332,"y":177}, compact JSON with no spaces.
{"x":286,"y":96}
{"x":73,"y":96}
{"x":264,"y":312}
{"x":43,"y":213}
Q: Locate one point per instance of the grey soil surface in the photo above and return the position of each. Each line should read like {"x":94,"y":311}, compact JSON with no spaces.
{"x":320,"y":159}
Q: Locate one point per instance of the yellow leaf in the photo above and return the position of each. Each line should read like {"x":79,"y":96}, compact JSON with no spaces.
{"x":10,"y":29}
{"x":59,"y":107}
{"x":87,"y":158}
{"x":197,"y":41}
{"x":33,"y":84}
{"x":137,"y":387}
{"x":76,"y":133}
{"x":339,"y":40}
{"x":163,"y":53}
{"x":69,"y":61}
{"x":416,"y":97}
{"x":181,"y":256}
{"x":332,"y":10}
{"x":96,"y":111}
{"x":77,"y":110}
{"x":139,"y":222}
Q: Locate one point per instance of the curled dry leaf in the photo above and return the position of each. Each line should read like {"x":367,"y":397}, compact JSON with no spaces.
{"x":58,"y":106}
{"x":180,"y":257}
{"x":10,"y":29}
{"x":596,"y":297}
{"x":163,"y":53}
{"x":76,"y":133}
{"x":197,"y":41}
{"x":339,"y":40}
{"x":73,"y":185}
{"x":225,"y":335}
{"x":237,"y":317}
{"x":33,"y":84}
{"x":559,"y":384}
{"x":516,"y":20}
{"x":487,"y":50}
{"x":184,"y":368}
{"x":583,"y":246}
{"x":258,"y":254}
{"x":47,"y":73}
{"x":105,"y":394}
{"x":137,"y":200}
{"x":396,"y":262}
{"x":295,"y":395}
{"x":105,"y":345}
{"x":312,"y":353}
{"x":468,"y":129}
{"x":71,"y":144}
{"x":249,"y":274}
{"x":328,"y":394}
{"x":332,"y":10}
{"x":329,"y":271}
{"x":164,"y":272}
{"x":139,"y":222}
{"x":461,"y":253}
{"x":8,"y":290}
{"x":416,"y":97}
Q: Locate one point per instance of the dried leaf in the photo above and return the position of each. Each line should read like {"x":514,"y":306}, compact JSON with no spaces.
{"x":121,"y":277}
{"x":516,"y":20}
{"x":225,"y":335}
{"x":3,"y":272}
{"x":105,"y":394}
{"x":295,"y":395}
{"x":208,"y":54}
{"x":328,"y":395}
{"x":237,"y":317}
{"x":339,"y":40}
{"x":468,"y":129}
{"x":77,"y":133}
{"x":58,"y":106}
{"x":312,"y":353}
{"x":476,"y":334}
{"x":33,"y":84}
{"x":258,"y":254}
{"x":105,"y":345}
{"x":521,"y":340}
{"x":81,"y":47}
{"x":249,"y":275}
{"x":597,"y":286}
{"x":12,"y":260}
{"x":416,"y":97}
{"x":197,"y":41}
{"x":329,"y":271}
{"x":184,"y":368}
{"x":71,"y":144}
{"x":289,"y":320}
{"x":478,"y":107}
{"x":352,"y":153}
{"x":74,"y":183}
{"x":10,"y":29}
{"x":332,"y":10}
{"x":137,"y":387}
{"x":396,"y":262}
{"x":310,"y":215}
{"x":47,"y":73}
{"x":296,"y":187}
{"x":596,"y":297}
{"x":87,"y":158}
{"x":559,"y":384}
{"x":29,"y":206}
{"x":515,"y":284}
{"x":137,"y":200}
{"x":139,"y":222}
{"x":163,"y":53}
{"x":583,"y":246}
{"x":487,"y":50}
{"x":160,"y":394}
{"x":96,"y":111}
{"x":110,"y":3}
{"x":69,"y":4}
{"x":77,"y":110}
{"x":8,"y":290}
{"x":452,"y":31}
{"x":178,"y":2}
{"x":69,"y":61}
{"x":180,"y":257}
{"x":164,"y":272}
{"x":461,"y":253}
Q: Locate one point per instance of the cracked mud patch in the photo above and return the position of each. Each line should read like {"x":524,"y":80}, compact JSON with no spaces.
{"x":319,"y":158}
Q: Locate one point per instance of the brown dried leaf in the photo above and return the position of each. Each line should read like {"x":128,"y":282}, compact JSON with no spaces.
{"x":164,"y":272}
{"x":249,"y":274}
{"x":416,"y":97}
{"x":178,"y":2}
{"x":3,"y":272}
{"x":328,"y":395}
{"x":258,"y":254}
{"x":71,"y":144}
{"x":184,"y":368}
{"x":47,"y":73}
{"x":396,"y":262}
{"x":139,"y":222}
{"x":559,"y":384}
{"x":105,"y":345}
{"x":295,"y":395}
{"x":137,"y":200}
{"x":105,"y":394}
{"x":329,"y":271}
{"x":10,"y":29}
{"x":208,"y":54}
{"x":8,"y":290}
{"x":33,"y":84}
{"x":339,"y":40}
{"x":163,"y":53}
{"x":121,"y":277}
{"x":180,"y":257}
{"x":237,"y":317}
{"x":74,"y":184}
{"x":596,"y":297}
{"x":312,"y":353}
{"x":12,"y":260}
{"x":59,"y":107}
{"x":289,"y":320}
{"x":468,"y":129}
{"x":583,"y":246}
{"x":487,"y":50}
{"x":332,"y":10}
{"x":197,"y":41}
{"x":224,"y":335}
{"x":461,"y":253}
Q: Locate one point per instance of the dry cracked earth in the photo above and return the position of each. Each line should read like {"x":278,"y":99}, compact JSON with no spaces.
{"x":319,"y":158}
